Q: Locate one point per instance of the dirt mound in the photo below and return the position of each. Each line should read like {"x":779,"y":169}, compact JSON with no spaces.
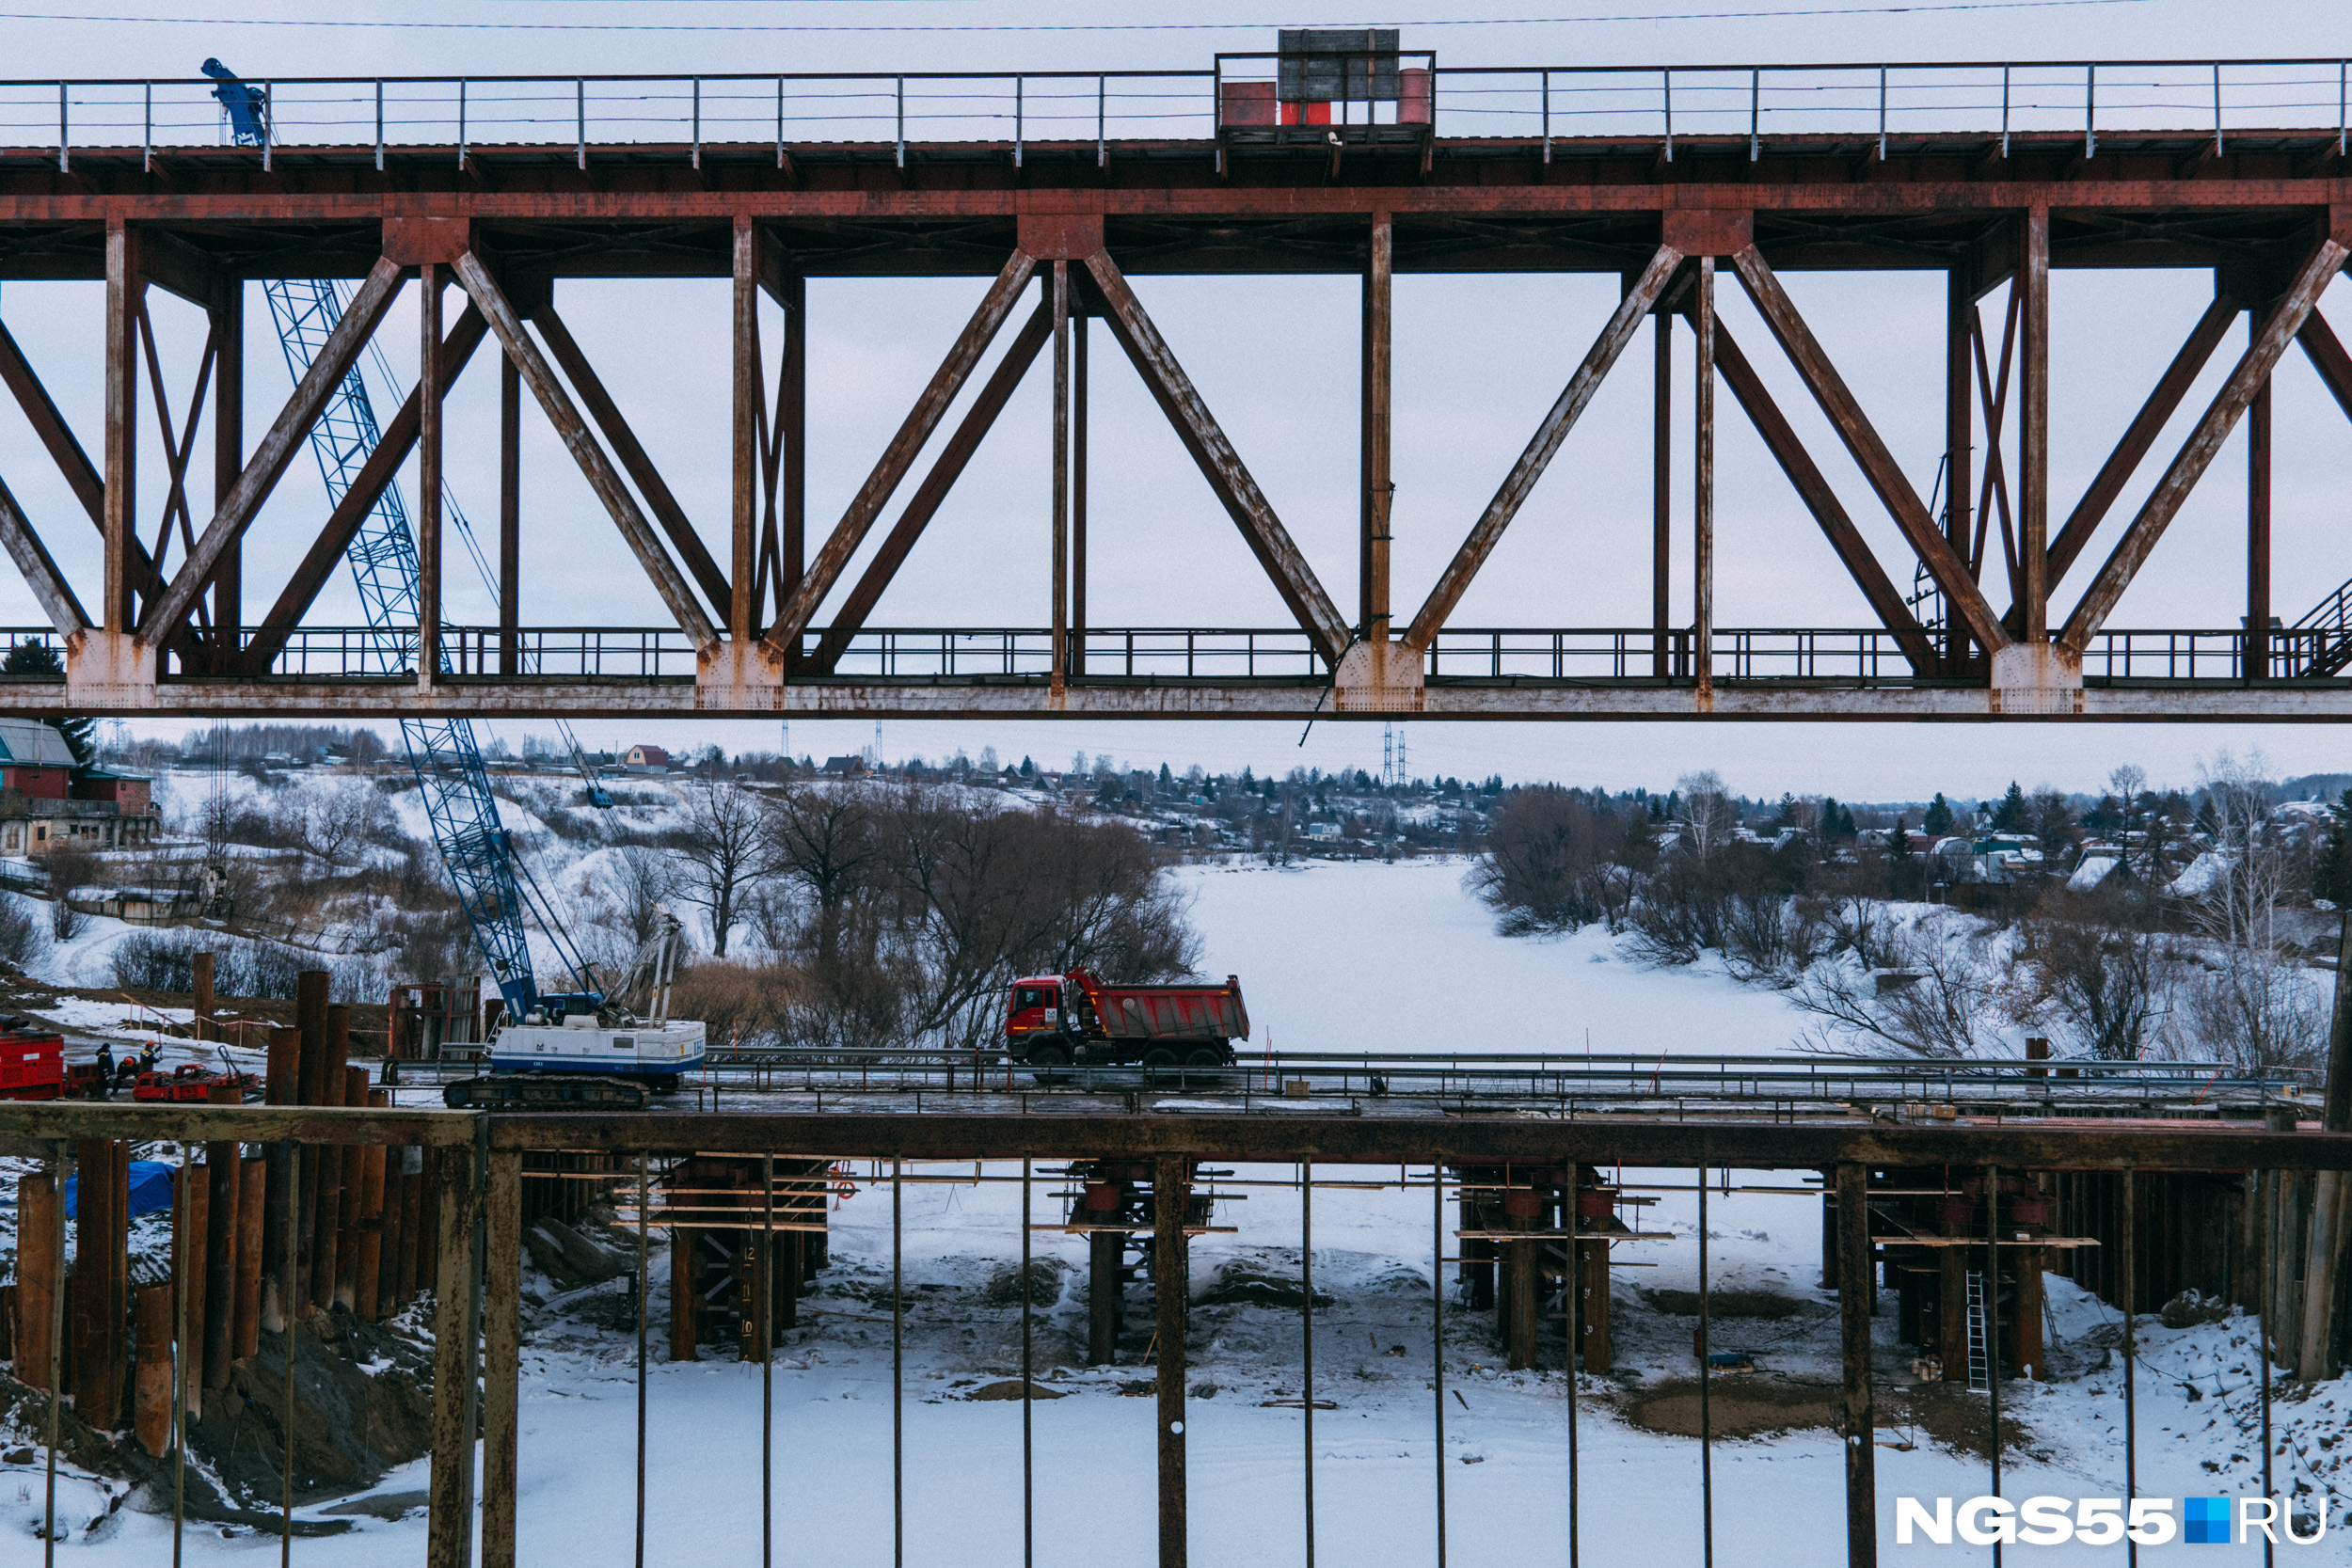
{"x":1737,"y":1406}
{"x":1740,"y":1406}
{"x":1240,"y":1285}
{"x":1004,"y":1287}
{"x":1010,"y":1389}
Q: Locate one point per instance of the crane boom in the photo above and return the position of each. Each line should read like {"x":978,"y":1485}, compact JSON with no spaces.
{"x":462,"y":812}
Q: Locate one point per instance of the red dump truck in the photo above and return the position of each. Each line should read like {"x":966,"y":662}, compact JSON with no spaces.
{"x":1054,"y":1020}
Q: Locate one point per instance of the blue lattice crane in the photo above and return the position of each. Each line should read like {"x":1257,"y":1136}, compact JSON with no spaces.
{"x":493,"y":887}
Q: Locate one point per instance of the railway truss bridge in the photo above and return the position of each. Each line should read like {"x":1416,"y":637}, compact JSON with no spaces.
{"x":1060,"y":188}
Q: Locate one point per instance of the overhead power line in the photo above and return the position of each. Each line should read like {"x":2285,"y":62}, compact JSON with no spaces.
{"x":1758,"y":14}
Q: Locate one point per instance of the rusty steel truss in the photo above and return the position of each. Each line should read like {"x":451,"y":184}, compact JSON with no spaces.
{"x":773,"y":620}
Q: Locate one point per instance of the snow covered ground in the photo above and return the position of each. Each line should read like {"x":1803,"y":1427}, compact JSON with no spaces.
{"x":1358,"y":956}
{"x":1333,"y":956}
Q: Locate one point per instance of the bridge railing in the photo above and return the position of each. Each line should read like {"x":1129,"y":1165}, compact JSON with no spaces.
{"x":1833,"y":655}
{"x":1662,"y":103}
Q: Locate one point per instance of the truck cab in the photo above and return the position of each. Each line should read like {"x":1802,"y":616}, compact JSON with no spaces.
{"x":1034,"y":1009}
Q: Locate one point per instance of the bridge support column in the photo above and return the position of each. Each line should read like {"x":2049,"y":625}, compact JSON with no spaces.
{"x":1702,"y":487}
{"x":1661,"y":499}
{"x":126,"y":286}
{"x":2033,"y":429}
{"x":1106,"y":1268}
{"x":228,"y":324}
{"x":1058,"y":297}
{"x":1171,"y":1204}
{"x":2257,"y":534}
{"x":1960,"y":428}
{"x":1372,"y":613}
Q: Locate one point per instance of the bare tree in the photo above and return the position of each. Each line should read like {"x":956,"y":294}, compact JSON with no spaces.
{"x":334,"y":822}
{"x":1545,"y":868}
{"x":2108,"y":985}
{"x":1939,"y":1002}
{"x":727,"y":848}
{"x":825,"y":841}
{"x":2130,"y":782}
{"x":637,"y":880}
{"x":2254,"y":1008}
{"x":1709,"y":814}
{"x":70,"y":865}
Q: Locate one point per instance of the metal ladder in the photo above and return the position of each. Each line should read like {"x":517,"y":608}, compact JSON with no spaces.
{"x":1980,"y":1352}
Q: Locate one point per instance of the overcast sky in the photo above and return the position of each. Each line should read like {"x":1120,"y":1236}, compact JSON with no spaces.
{"x":1478,"y":359}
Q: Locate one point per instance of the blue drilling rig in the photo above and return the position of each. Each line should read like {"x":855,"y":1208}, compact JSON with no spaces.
{"x":494,"y":887}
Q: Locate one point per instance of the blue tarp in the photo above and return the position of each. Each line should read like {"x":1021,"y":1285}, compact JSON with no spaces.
{"x":150,"y":1188}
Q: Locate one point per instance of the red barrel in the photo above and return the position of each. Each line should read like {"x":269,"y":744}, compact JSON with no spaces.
{"x":1954,"y":1209}
{"x":1593,"y":1204}
{"x":1104,"y":1197}
{"x":1522,"y":1203}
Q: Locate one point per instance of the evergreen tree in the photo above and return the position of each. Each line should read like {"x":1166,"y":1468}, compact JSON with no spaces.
{"x":2012,"y":815}
{"x":2331,"y":869}
{"x":2103,"y":818}
{"x":1787,"y":816}
{"x":1938,"y":822}
{"x":40,"y":658}
{"x":1028,"y":768}
{"x":2054,"y":823}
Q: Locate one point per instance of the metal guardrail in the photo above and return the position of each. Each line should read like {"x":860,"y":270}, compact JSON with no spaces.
{"x":1823,"y":1081}
{"x":1760,"y":103}
{"x":1836,"y":655}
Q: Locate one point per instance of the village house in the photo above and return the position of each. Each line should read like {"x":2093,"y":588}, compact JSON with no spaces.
{"x":645,"y":759}
{"x":43,"y":803}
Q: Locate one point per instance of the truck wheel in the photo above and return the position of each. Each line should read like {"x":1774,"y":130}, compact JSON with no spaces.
{"x":1158,"y":1062}
{"x":1046,"y":1062}
{"x":1201,"y":1056}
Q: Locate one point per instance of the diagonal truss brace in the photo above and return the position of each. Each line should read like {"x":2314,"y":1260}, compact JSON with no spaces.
{"x":675,"y":592}
{"x":2197,"y":454}
{"x":325,"y":554}
{"x":2327,"y":354}
{"x":994,"y":394}
{"x":1821,"y":501}
{"x":32,"y":558}
{"x":631,"y":454}
{"x":1869,"y":452}
{"x":81,"y":475}
{"x":2142,"y":434}
{"x":277,"y":449}
{"x":1294,"y":579}
{"x":1517,"y":485}
{"x":922,"y":421}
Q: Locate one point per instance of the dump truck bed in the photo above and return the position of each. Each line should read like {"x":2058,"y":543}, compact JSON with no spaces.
{"x":1169,"y":1012}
